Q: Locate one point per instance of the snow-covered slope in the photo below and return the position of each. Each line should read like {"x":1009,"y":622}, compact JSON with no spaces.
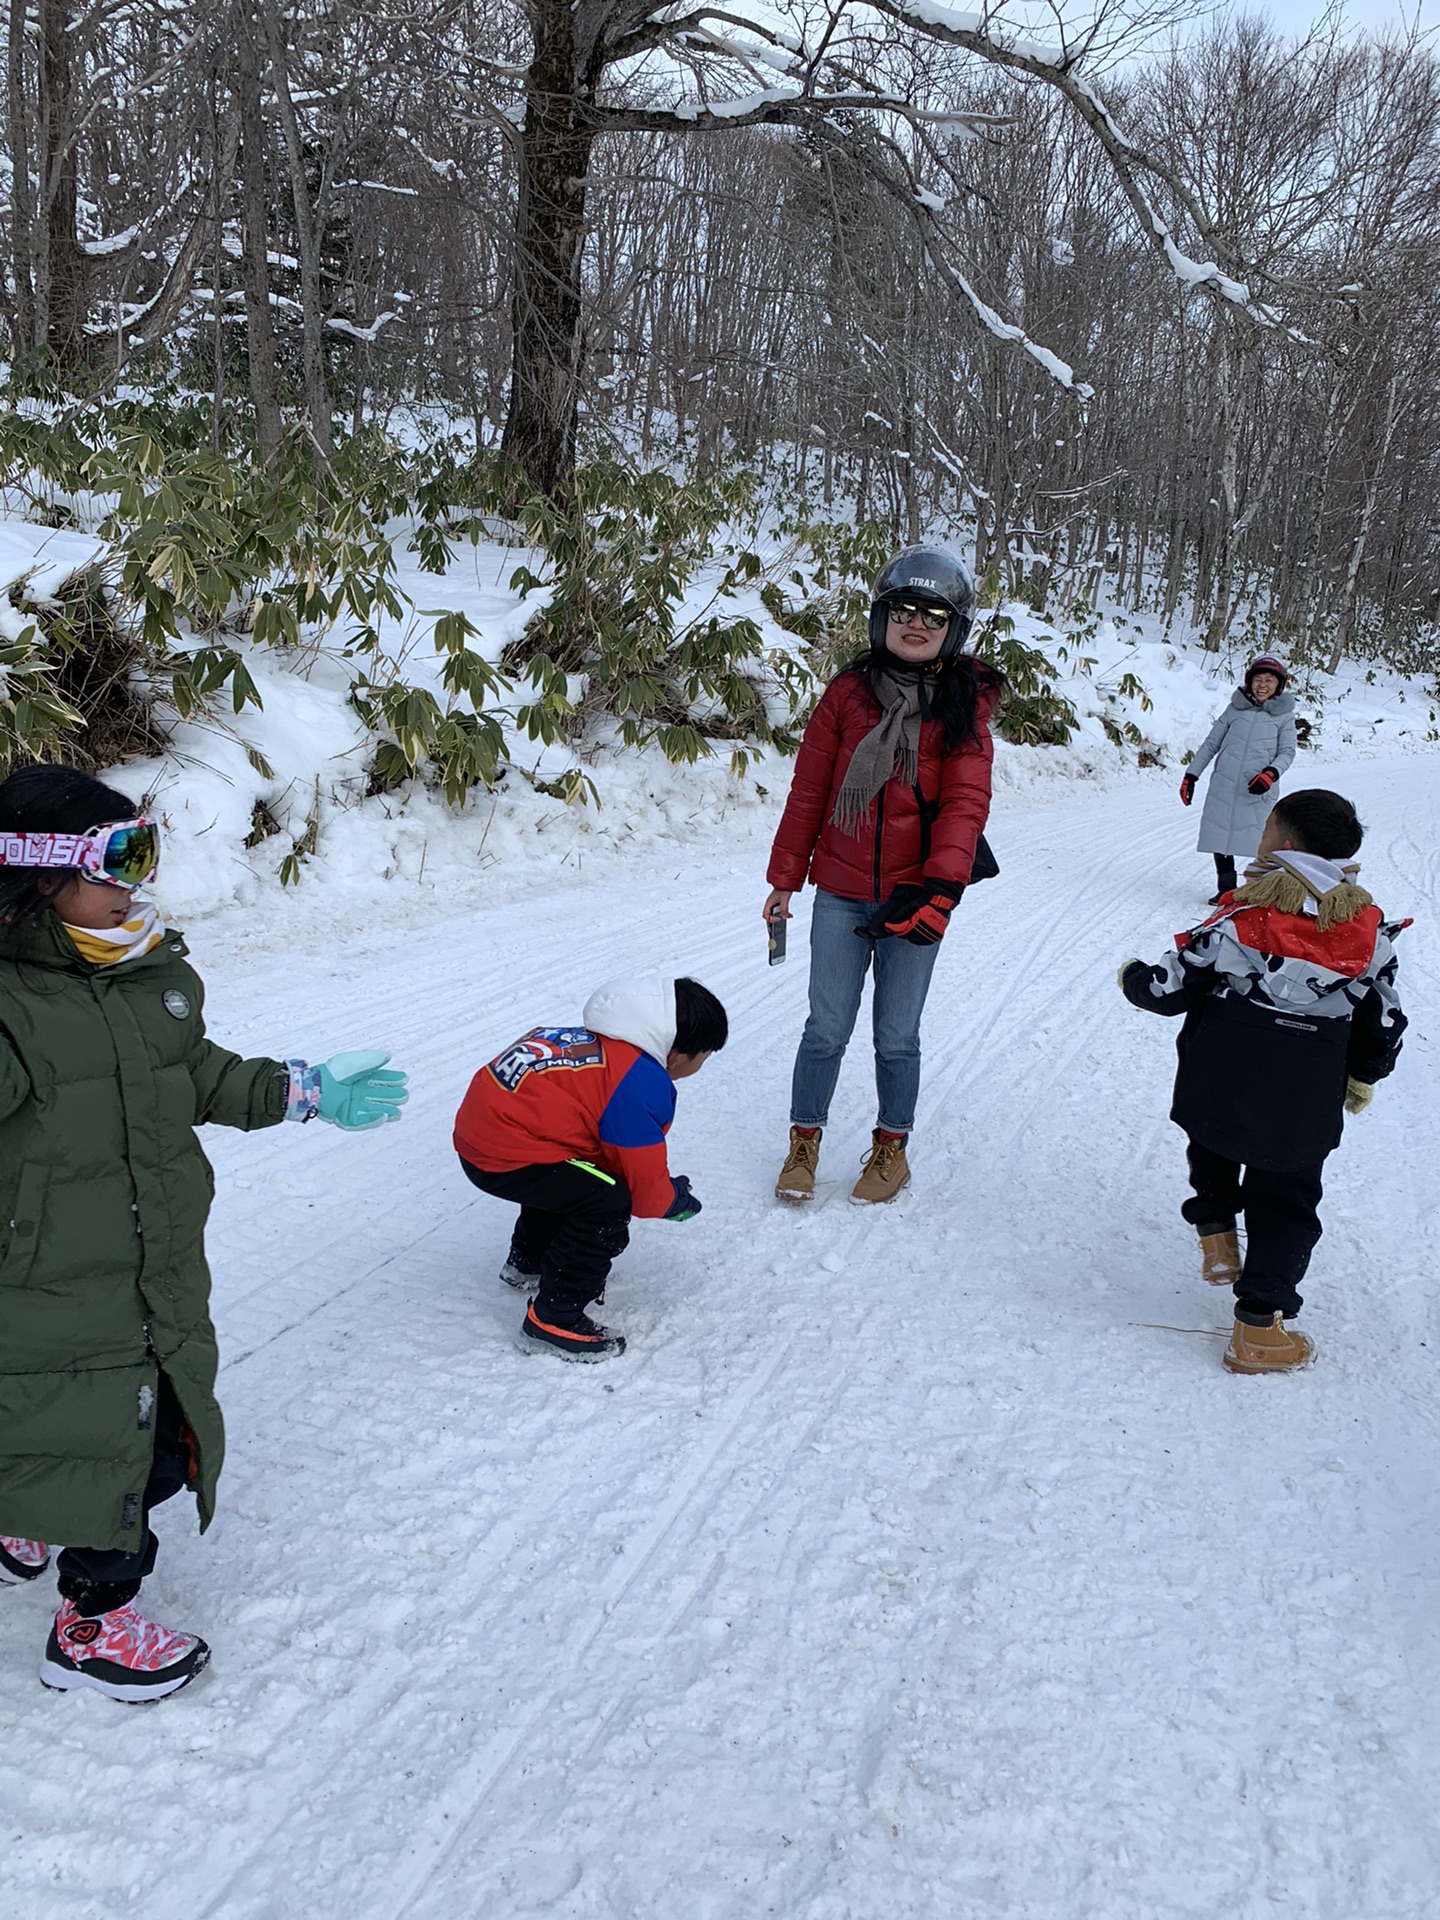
{"x":919,"y":1564}
{"x":1140,"y":690}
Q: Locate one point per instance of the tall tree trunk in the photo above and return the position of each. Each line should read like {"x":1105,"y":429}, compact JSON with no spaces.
{"x":255,"y":244}
{"x":309,"y":220}
{"x":1362,"y":530}
{"x":60,"y":264}
{"x":555,"y":150}
{"x":22,"y":197}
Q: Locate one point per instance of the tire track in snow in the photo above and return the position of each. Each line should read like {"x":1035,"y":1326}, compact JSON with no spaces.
{"x":453,"y":1821}
{"x":317,"y":1754}
{"x":683,"y":1513}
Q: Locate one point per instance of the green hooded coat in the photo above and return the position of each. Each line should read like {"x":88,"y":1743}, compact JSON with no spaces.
{"x":105,"y":1072}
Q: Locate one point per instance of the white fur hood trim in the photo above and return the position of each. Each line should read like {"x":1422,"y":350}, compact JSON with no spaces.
{"x":638,"y":1007}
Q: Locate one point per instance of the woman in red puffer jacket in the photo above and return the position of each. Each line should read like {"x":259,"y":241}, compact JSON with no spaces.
{"x":887,"y":805}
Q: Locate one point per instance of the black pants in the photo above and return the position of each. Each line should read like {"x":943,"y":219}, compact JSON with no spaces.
{"x":1225,"y":876}
{"x":1281,"y":1226}
{"x":92,"y":1575}
{"x":573,"y":1221}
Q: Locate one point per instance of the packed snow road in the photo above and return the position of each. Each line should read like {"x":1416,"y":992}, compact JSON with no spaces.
{"x":914,"y":1564}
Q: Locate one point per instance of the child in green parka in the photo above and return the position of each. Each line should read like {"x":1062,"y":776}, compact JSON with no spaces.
{"x":107,"y":1353}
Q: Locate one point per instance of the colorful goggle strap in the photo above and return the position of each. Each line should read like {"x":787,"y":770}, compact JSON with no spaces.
{"x":125,"y":852}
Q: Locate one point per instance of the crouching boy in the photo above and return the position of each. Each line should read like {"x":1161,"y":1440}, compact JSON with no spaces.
{"x":1291,"y":1016}
{"x":570,"y":1124}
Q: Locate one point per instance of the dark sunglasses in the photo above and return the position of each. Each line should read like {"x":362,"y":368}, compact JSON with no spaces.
{"x":902,"y":612}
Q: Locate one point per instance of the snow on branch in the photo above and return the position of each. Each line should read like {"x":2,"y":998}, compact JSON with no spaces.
{"x":1059,"y":370}
{"x":113,"y":243}
{"x":372,"y":332}
{"x":744,"y":106}
{"x":925,"y":208}
{"x":1056,"y":68}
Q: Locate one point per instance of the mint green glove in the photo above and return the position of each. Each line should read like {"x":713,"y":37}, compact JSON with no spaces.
{"x":356,"y":1094}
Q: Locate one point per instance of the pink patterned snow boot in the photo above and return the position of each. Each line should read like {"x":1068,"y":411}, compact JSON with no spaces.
{"x":21,"y":1560}
{"x":120,"y":1654}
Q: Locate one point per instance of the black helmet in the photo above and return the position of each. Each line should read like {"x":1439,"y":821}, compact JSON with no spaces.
{"x":925,"y":573}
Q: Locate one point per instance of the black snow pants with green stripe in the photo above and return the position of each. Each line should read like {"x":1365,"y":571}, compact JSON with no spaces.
{"x":574,"y":1223}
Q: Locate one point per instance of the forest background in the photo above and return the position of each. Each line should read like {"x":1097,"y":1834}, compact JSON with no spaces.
{"x":1138,"y":307}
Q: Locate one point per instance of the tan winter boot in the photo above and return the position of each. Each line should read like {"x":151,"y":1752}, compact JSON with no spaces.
{"x":886,"y":1170}
{"x":1273,"y":1349}
{"x":1220,"y":1258}
{"x":797,"y":1176}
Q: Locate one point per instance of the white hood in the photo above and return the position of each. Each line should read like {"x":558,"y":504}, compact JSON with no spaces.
{"x":640,"y":1008}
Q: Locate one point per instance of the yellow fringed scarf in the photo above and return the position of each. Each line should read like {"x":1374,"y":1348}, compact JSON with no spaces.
{"x":143,"y":931}
{"x":1304,"y":883}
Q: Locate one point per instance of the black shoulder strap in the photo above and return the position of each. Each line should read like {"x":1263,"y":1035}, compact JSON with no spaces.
{"x":984,"y":867}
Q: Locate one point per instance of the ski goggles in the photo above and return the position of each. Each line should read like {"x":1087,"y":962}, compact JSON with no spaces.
{"x":124,"y":853}
{"x":902,"y":612}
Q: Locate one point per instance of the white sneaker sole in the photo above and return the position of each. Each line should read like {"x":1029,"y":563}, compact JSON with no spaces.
{"x":75,"y":1680}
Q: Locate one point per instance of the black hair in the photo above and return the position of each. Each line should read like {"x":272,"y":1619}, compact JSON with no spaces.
{"x":49,"y":800}
{"x":701,"y":1023}
{"x":951,"y":687}
{"x":1320,"y":822}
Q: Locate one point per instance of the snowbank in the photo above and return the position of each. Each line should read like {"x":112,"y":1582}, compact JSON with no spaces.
{"x":284,"y":787}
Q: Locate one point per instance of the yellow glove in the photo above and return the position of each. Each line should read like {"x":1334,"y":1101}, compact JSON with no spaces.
{"x":1357,"y":1096}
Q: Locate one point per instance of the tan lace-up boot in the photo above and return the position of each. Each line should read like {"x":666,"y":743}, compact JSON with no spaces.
{"x":886,"y":1170}
{"x":797,"y":1176}
{"x":1273,"y":1349}
{"x":1220,"y":1258}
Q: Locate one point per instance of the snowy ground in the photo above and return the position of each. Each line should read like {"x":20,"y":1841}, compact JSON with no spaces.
{"x":913,"y":1565}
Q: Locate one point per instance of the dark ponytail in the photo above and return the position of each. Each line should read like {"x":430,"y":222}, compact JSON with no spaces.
{"x":952,"y":691}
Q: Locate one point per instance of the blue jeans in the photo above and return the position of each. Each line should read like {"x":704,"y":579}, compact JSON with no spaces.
{"x":839,"y":961}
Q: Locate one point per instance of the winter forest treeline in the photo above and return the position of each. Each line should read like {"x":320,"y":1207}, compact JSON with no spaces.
{"x":1155,"y":308}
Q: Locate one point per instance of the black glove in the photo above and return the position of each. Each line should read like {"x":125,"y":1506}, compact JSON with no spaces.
{"x":686,"y":1204}
{"x":903,"y":902}
{"x":924,"y":926}
{"x":1187,"y":789}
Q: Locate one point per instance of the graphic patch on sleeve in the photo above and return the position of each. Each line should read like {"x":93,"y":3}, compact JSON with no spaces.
{"x":548,"y":1047}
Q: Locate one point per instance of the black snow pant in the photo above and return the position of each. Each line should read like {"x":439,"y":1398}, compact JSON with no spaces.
{"x":99,"y":1578}
{"x":574,"y":1222}
{"x":1281,"y":1226}
{"x":1225,"y":876}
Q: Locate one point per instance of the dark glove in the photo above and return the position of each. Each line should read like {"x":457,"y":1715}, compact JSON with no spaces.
{"x":920,"y":916}
{"x":902,"y":901}
{"x":1263,"y":781}
{"x":685,"y":1205}
{"x":1358,"y":1095}
{"x":1187,"y":789}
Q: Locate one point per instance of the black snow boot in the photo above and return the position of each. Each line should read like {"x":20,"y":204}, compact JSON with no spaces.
{"x":520,"y":1271}
{"x":576,"y":1337}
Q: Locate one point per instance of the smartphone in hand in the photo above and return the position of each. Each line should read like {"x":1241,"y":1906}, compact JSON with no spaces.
{"x":776,"y":926}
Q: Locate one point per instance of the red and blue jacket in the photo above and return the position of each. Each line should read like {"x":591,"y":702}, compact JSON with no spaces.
{"x":566,"y":1093}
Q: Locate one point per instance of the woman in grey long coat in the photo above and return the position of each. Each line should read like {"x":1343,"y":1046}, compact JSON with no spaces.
{"x":1251,"y":745}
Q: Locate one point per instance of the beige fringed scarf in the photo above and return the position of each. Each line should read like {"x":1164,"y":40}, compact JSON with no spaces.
{"x":1304,"y":883}
{"x":892,"y":747}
